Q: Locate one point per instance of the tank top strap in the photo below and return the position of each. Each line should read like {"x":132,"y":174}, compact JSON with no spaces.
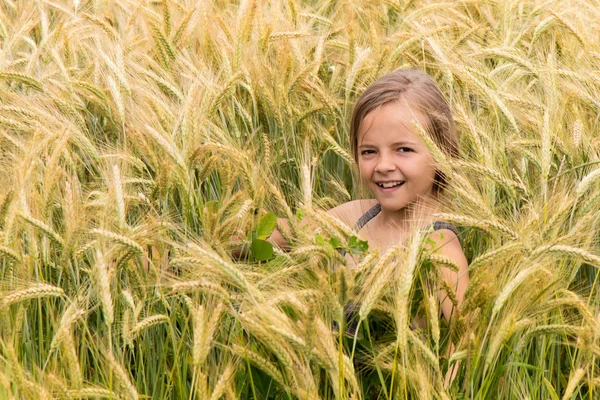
{"x":366,"y":217}
{"x":438,"y":225}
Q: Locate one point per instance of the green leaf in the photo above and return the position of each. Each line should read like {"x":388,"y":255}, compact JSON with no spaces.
{"x":335,"y":243}
{"x":363,"y":246}
{"x":319,"y":240}
{"x":261,"y":250}
{"x":357,"y":246}
{"x":266,"y":225}
{"x":299,"y":215}
{"x":352,"y":242}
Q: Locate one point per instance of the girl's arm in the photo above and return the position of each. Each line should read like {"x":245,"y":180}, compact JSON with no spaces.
{"x":448,"y":245}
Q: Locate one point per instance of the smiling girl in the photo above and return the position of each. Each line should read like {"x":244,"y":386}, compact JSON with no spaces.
{"x":398,"y":169}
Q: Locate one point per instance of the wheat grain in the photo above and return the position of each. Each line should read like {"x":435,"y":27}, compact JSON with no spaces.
{"x":434,"y":321}
{"x":68,"y":349}
{"x":71,"y":314}
{"x":233,"y":273}
{"x":443,"y":261}
{"x":123,"y":240}
{"x":222,"y":383}
{"x":101,"y":278}
{"x":569,"y":251}
{"x":92,"y":392}
{"x":570,"y":27}
{"x":586,"y":182}
{"x":402,"y":293}
{"x":9,"y":254}
{"x":422,"y":349}
{"x":574,"y":380}
{"x":201,"y":285}
{"x":381,"y":272}
{"x":36,"y":291}
{"x":505,"y":329}
{"x":147,"y":323}
{"x":121,"y":377}
{"x":510,"y":287}
{"x":259,"y":361}
{"x":22,"y":78}
{"x":555,"y":329}
{"x":508,"y":184}
{"x":271,"y":341}
{"x":51,"y":233}
{"x":486,"y":225}
{"x":576,"y":133}
{"x":495,"y":254}
{"x":120,"y":200}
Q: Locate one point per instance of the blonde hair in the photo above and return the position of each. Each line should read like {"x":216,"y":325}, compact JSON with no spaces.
{"x":421,"y":93}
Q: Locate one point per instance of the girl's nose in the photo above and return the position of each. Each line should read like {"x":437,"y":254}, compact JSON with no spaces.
{"x":385,"y":164}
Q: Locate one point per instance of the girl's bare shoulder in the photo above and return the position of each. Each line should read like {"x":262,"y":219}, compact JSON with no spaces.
{"x":351,"y":211}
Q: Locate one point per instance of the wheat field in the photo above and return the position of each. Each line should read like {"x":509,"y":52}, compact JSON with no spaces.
{"x":137,"y":138}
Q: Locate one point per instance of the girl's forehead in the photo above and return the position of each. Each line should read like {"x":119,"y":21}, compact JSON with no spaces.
{"x":393,"y":119}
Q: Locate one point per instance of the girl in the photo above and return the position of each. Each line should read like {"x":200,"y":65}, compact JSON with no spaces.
{"x":398,"y":169}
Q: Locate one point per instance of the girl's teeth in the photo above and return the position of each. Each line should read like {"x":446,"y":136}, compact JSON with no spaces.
{"x":390,"y":184}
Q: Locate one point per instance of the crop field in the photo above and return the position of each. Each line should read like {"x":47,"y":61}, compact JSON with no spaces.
{"x":141,"y":142}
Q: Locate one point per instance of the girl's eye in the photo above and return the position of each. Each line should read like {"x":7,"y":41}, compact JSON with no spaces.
{"x":404,"y":149}
{"x":366,"y":152}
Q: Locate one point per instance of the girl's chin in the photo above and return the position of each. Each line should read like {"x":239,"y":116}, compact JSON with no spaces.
{"x":391,"y":206}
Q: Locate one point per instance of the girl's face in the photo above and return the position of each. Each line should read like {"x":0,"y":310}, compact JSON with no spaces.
{"x":393,"y":160}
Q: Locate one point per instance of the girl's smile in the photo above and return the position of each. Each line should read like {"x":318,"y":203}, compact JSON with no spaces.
{"x":393,"y":160}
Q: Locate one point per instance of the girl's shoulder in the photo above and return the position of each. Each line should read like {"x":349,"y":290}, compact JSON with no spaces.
{"x":351,"y":211}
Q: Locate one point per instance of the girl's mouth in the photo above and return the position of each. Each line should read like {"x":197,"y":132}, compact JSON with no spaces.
{"x":389,"y":186}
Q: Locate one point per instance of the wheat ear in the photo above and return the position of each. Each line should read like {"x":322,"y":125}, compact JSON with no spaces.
{"x":222,"y":383}
{"x":51,"y":233}
{"x":92,"y":392}
{"x":510,"y":287}
{"x":147,"y":323}
{"x":383,"y":270}
{"x":122,"y":377}
{"x":569,"y":251}
{"x":37,"y":291}
{"x":260,"y":362}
